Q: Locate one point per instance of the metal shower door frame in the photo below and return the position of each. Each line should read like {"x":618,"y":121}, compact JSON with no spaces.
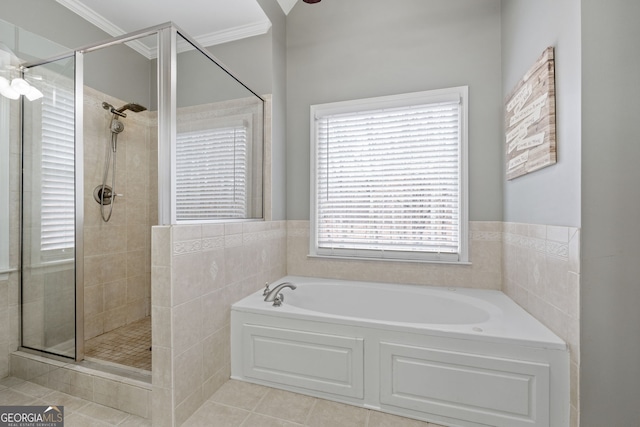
{"x":167,"y":35}
{"x":78,"y":55}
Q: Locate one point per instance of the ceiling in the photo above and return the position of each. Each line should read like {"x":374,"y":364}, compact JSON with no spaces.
{"x":209,"y":22}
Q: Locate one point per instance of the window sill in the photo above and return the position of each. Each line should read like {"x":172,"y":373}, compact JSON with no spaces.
{"x":368,"y":259}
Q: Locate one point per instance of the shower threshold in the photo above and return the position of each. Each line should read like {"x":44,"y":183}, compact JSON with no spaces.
{"x":117,"y":386}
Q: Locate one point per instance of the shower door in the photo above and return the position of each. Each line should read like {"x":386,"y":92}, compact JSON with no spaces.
{"x":48,"y":211}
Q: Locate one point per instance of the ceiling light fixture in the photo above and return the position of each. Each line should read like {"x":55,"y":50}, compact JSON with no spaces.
{"x":311,"y":1}
{"x":9,"y":63}
{"x":6,"y":90}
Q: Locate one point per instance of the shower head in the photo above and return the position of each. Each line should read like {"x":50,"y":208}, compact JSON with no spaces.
{"x":132,"y":106}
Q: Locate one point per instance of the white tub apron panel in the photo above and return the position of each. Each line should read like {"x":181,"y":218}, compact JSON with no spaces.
{"x":493,"y":365}
{"x":490,"y":390}
{"x":291,"y":357}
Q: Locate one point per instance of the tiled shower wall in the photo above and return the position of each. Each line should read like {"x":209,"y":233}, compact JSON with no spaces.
{"x":117,"y":254}
{"x":541,"y":267}
{"x":198,"y":272}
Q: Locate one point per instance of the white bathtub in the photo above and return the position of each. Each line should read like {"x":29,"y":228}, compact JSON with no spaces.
{"x":453,"y":356}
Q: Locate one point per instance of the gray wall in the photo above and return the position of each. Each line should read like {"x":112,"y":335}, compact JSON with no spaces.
{"x":340,"y":50}
{"x":118,"y":71}
{"x":610,"y":329}
{"x":249,"y":60}
{"x":278,"y":63}
{"x":549,"y":196}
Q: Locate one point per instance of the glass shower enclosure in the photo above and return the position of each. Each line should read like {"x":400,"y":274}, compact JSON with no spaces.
{"x":144,"y":129}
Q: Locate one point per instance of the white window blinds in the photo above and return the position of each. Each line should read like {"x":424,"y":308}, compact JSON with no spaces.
{"x":57,"y":183}
{"x":4,"y":184}
{"x":388,"y":181}
{"x":211,"y":174}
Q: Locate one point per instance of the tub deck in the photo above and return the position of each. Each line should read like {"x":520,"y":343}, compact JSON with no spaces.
{"x":503,"y":369}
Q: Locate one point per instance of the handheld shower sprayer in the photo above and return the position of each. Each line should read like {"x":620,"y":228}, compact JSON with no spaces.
{"x":104,"y":194}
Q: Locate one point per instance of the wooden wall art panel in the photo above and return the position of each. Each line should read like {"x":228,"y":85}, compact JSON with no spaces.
{"x":530,"y":119}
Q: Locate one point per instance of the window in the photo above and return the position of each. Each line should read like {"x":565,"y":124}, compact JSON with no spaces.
{"x":57,"y":236}
{"x":389,"y":177}
{"x":4,"y":189}
{"x":212,"y":173}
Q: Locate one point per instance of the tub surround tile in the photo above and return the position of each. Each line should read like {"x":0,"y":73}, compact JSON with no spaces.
{"x":485,"y":255}
{"x":550,"y":289}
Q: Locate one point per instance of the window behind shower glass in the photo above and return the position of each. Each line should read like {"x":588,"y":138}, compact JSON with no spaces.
{"x":219,"y":142}
{"x":388,"y":177}
{"x":4,"y":188}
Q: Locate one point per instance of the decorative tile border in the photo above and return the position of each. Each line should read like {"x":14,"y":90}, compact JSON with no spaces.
{"x":213,"y":243}
{"x":269,"y":232}
{"x":548,"y":247}
{"x":486,"y":236}
{"x":187,"y":247}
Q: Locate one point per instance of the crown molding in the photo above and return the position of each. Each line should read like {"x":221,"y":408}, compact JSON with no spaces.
{"x":233,"y":34}
{"x":210,"y":39}
{"x":105,"y":25}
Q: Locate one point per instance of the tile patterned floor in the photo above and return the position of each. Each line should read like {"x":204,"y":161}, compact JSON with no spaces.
{"x":77,"y":412}
{"x":235,"y":404}
{"x":240,"y":404}
{"x":129,"y":345}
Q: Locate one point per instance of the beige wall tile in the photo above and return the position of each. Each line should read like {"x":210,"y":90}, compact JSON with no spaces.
{"x":550,"y":291}
{"x":162,"y":409}
{"x":187,"y":373}
{"x":187,"y":325}
{"x":105,"y":392}
{"x":161,"y":246}
{"x":486,"y":254}
{"x":134,"y":400}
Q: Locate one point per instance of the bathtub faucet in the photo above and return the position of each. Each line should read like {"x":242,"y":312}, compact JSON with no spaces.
{"x":274,"y":294}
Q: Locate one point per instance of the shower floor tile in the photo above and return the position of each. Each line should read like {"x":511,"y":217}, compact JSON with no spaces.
{"x":129,"y":345}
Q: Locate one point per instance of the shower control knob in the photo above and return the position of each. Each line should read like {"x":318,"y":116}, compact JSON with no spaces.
{"x":100,"y":198}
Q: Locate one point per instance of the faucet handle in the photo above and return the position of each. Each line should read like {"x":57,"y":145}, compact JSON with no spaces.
{"x":266,"y":288}
{"x":277,"y":301}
